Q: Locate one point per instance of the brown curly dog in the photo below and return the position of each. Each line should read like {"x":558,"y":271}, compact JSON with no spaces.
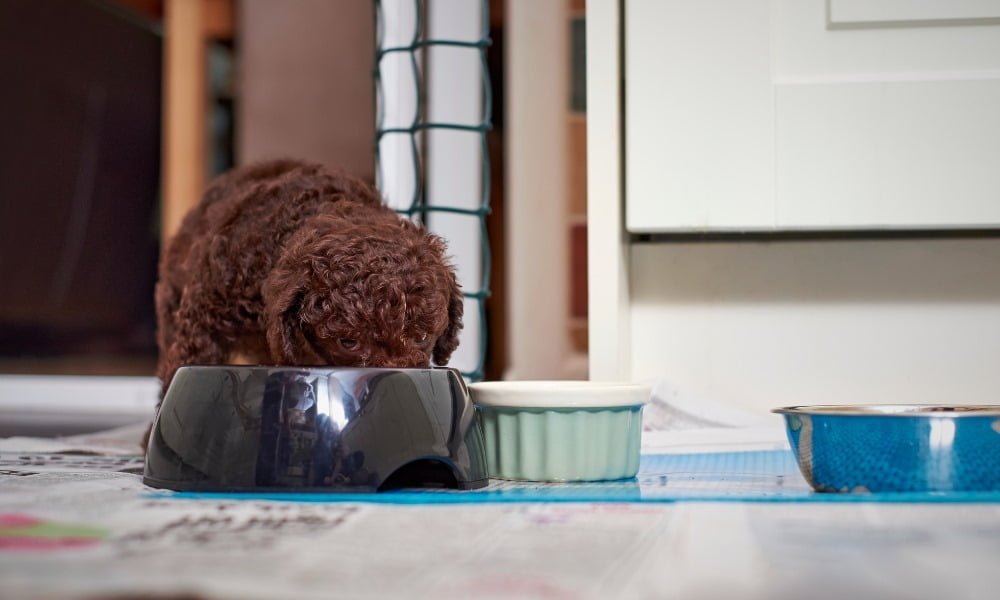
{"x":288,"y":263}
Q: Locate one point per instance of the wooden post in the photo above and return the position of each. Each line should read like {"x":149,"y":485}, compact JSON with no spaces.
{"x":184,"y":111}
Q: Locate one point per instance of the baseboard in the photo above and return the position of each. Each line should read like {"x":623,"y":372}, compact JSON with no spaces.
{"x":49,"y":405}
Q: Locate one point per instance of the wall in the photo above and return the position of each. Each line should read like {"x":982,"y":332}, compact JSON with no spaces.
{"x":537,"y":88}
{"x":305,"y":83}
{"x":767,"y":324}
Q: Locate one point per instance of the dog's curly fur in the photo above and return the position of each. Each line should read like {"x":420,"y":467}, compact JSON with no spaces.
{"x":288,"y":263}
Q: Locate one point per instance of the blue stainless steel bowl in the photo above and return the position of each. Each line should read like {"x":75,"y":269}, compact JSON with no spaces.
{"x":896,"y":448}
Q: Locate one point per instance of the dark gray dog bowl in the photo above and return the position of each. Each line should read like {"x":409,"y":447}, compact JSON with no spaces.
{"x":257,"y":428}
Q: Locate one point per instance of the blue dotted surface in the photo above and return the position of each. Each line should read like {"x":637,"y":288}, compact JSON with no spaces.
{"x":759,"y":476}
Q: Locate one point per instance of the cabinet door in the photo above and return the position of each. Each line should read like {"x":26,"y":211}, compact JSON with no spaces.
{"x":757,"y":115}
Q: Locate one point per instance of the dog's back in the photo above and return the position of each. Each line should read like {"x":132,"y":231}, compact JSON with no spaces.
{"x":275,"y":193}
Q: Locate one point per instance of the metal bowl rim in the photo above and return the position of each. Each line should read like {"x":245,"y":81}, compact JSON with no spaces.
{"x":937,"y":411}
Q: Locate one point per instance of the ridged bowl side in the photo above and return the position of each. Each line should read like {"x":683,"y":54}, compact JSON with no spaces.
{"x":562,"y":444}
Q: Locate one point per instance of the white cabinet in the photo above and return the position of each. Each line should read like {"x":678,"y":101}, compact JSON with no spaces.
{"x":748,"y":115}
{"x":757,"y":115}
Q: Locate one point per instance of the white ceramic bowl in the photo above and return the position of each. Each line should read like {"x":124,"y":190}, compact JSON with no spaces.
{"x":561,"y":430}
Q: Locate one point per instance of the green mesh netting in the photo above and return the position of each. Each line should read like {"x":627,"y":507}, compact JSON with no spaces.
{"x":418,"y":207}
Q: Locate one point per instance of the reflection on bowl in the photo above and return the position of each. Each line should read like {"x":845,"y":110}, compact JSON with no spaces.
{"x":896,"y":448}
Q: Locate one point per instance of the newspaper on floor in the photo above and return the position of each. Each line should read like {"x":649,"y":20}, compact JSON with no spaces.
{"x":102,"y":535}
{"x":121,"y":441}
{"x":76,"y":522}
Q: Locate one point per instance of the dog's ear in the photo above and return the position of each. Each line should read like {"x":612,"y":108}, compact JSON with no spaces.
{"x":282,"y":301}
{"x":284,"y":293}
{"x":448,"y":341}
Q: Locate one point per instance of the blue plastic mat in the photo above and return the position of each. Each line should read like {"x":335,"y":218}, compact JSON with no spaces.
{"x":758,"y":476}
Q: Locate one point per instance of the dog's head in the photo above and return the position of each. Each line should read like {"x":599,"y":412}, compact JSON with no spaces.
{"x":375,"y":291}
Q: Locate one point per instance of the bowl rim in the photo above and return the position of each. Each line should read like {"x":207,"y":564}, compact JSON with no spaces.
{"x":324,"y":368}
{"x":568,"y":394}
{"x":936,"y":411}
